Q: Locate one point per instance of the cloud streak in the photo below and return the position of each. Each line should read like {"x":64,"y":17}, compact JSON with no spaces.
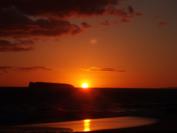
{"x":163,"y":23}
{"x":21,"y":45}
{"x":7,"y":69}
{"x":104,"y":69}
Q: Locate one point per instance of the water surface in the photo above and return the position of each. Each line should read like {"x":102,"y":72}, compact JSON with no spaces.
{"x":99,"y":124}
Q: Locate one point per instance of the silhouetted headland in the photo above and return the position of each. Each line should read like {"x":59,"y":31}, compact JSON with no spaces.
{"x":42,"y":87}
{"x":48,"y":85}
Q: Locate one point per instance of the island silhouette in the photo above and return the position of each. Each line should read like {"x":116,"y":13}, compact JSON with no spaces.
{"x":42,"y":85}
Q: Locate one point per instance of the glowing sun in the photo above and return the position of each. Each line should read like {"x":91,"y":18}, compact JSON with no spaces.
{"x":85,"y":85}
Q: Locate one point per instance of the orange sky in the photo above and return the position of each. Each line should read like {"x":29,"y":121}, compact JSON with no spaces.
{"x":137,"y":49}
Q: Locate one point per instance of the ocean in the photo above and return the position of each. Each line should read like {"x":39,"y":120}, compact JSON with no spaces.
{"x":20,"y":106}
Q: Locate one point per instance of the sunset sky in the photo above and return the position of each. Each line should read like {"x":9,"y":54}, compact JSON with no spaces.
{"x":107,"y":43}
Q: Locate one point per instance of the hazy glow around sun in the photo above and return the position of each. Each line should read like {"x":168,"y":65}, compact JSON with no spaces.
{"x":84,"y":85}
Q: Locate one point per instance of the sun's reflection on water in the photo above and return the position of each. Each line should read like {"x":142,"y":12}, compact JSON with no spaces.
{"x":99,"y":124}
{"x":87,"y":125}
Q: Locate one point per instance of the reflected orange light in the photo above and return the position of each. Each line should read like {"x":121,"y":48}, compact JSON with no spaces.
{"x":87,"y":125}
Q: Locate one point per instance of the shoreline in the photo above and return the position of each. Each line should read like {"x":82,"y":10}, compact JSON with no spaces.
{"x":162,"y":125}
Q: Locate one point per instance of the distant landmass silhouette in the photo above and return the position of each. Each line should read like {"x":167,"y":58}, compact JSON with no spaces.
{"x":48,"y":85}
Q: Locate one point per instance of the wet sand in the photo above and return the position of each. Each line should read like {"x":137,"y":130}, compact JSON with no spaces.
{"x":164,"y":126}
{"x":87,"y":125}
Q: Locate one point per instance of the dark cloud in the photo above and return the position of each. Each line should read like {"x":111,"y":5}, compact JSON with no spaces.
{"x":106,"y":69}
{"x":28,"y":19}
{"x":6,"y":69}
{"x":34,"y":68}
{"x":131,"y":9}
{"x":85,"y":25}
{"x":21,"y":45}
{"x":15,"y":24}
{"x":163,"y":23}
{"x":111,"y":70}
{"x":133,"y":12}
{"x":61,"y":8}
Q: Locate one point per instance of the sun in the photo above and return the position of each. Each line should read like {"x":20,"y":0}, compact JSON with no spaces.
{"x":85,"y":85}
